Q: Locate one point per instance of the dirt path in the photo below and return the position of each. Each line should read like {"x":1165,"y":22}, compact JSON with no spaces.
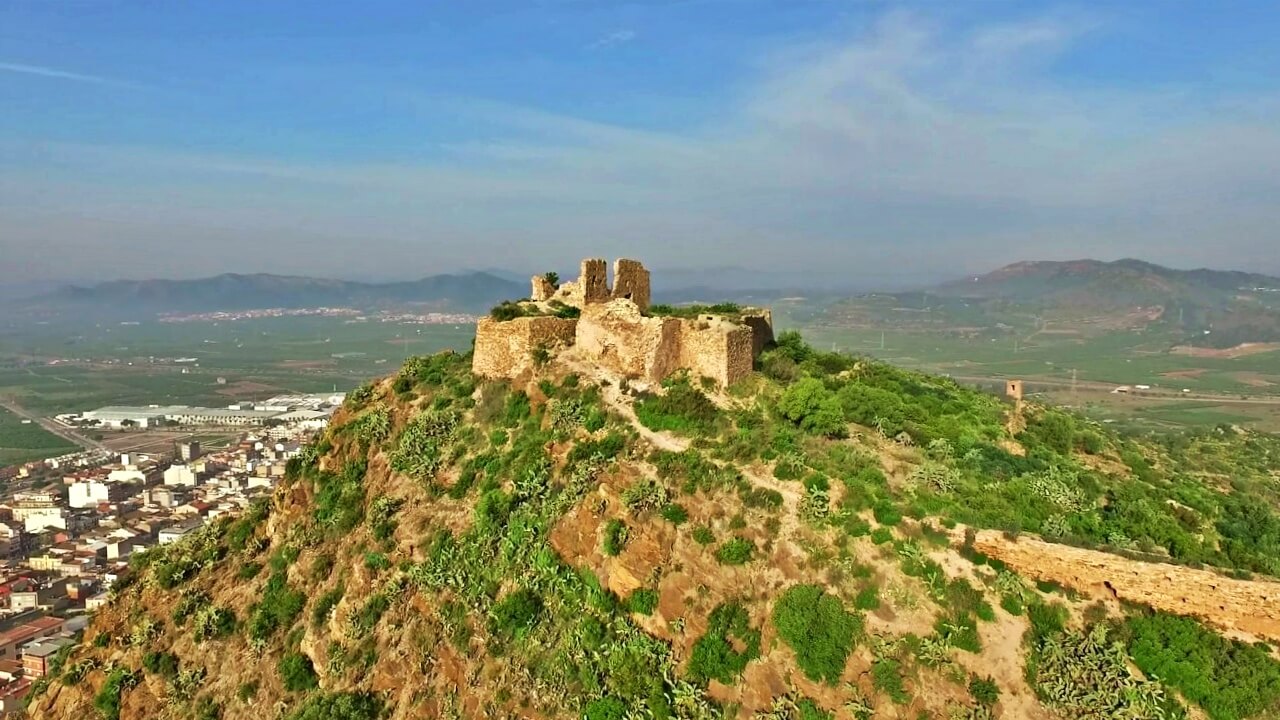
{"x":1248,"y":609}
{"x":614,"y":398}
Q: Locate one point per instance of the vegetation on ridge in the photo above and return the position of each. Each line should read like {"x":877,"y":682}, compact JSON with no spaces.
{"x":447,"y":527}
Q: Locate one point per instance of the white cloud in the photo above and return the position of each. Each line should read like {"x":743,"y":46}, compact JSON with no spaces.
{"x":55,"y":73}
{"x":617,"y":37}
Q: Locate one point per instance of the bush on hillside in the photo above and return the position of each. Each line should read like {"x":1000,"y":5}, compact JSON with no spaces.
{"x":715,"y":654}
{"x":811,"y":406}
{"x":818,"y":628}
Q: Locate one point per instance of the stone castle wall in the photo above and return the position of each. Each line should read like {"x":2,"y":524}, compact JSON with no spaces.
{"x":504,"y":349}
{"x":1244,"y":606}
{"x":613,"y":331}
{"x":631,"y":282}
{"x":620,"y":339}
{"x":716,"y":348}
{"x":542,"y":289}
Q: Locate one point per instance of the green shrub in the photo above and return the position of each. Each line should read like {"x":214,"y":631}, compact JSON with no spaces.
{"x":886,"y":514}
{"x":517,"y":612}
{"x":643,"y":601}
{"x":1228,"y":678}
{"x":615,"y":537}
{"x":247,"y":691}
{"x":817,"y":627}
{"x":325,"y":605}
{"x":675,"y":513}
{"x":276,"y":611}
{"x":811,"y":406}
{"x":737,"y":551}
{"x":868,"y":598}
{"x":703,"y":535}
{"x":249,"y":570}
{"x":507,"y":310}
{"x":681,"y":408}
{"x":160,"y":663}
{"x":984,"y":690}
{"x":376,"y":561}
{"x":807,"y":709}
{"x":107,"y":700}
{"x":881,"y":535}
{"x":608,"y":708}
{"x":715,"y":654}
{"x":297,"y":672}
{"x":338,"y":706}
{"x":886,"y":676}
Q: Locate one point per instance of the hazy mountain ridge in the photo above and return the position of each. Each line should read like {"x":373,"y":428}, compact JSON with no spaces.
{"x":471,"y":291}
{"x":1122,"y":282}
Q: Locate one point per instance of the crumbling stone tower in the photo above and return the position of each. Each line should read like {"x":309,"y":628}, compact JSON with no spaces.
{"x":594,"y":281}
{"x":631,"y":281}
{"x":1013,"y":390}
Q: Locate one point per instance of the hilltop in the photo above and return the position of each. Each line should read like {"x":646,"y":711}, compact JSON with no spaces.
{"x":804,"y":543}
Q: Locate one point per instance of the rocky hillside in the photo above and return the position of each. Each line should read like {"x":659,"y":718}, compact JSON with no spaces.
{"x":801,"y":546}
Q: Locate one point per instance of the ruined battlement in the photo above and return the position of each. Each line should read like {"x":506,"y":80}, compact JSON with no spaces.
{"x":614,"y":330}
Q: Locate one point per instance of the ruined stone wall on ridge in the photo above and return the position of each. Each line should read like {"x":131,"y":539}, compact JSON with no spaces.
{"x":504,"y":349}
{"x":614,"y":333}
{"x":716,"y":348}
{"x":621,"y":340}
{"x":760,"y":320}
{"x":542,"y":289}
{"x":594,"y":281}
{"x":631,"y":281}
{"x":1244,"y":606}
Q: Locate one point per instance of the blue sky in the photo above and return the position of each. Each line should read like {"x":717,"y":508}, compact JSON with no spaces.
{"x":874,"y":141}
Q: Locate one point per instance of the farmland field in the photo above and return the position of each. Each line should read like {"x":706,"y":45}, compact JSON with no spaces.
{"x":49,"y":369}
{"x":1069,"y":368}
{"x":22,"y":442}
{"x":56,"y":369}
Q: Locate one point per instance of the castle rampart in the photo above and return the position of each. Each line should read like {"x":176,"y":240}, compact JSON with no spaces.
{"x":614,"y":331}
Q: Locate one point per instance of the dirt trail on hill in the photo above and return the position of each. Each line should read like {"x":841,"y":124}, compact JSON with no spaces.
{"x":614,"y":398}
{"x":1244,"y":608}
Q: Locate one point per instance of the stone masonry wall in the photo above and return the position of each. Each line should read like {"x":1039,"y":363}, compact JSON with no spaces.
{"x":542,"y":289}
{"x":1244,"y":606}
{"x":631,"y":281}
{"x":617,"y":337}
{"x":504,"y":349}
{"x":594,"y":281}
{"x":614,"y":332}
{"x":716,"y":348}
{"x":761,"y":323}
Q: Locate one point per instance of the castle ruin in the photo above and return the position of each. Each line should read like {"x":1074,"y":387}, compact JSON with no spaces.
{"x":614,"y":329}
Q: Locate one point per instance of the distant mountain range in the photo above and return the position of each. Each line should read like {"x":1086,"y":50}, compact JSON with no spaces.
{"x":1120,"y":283}
{"x":473,"y":292}
{"x":1235,"y":306}
{"x":1208,"y":307}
